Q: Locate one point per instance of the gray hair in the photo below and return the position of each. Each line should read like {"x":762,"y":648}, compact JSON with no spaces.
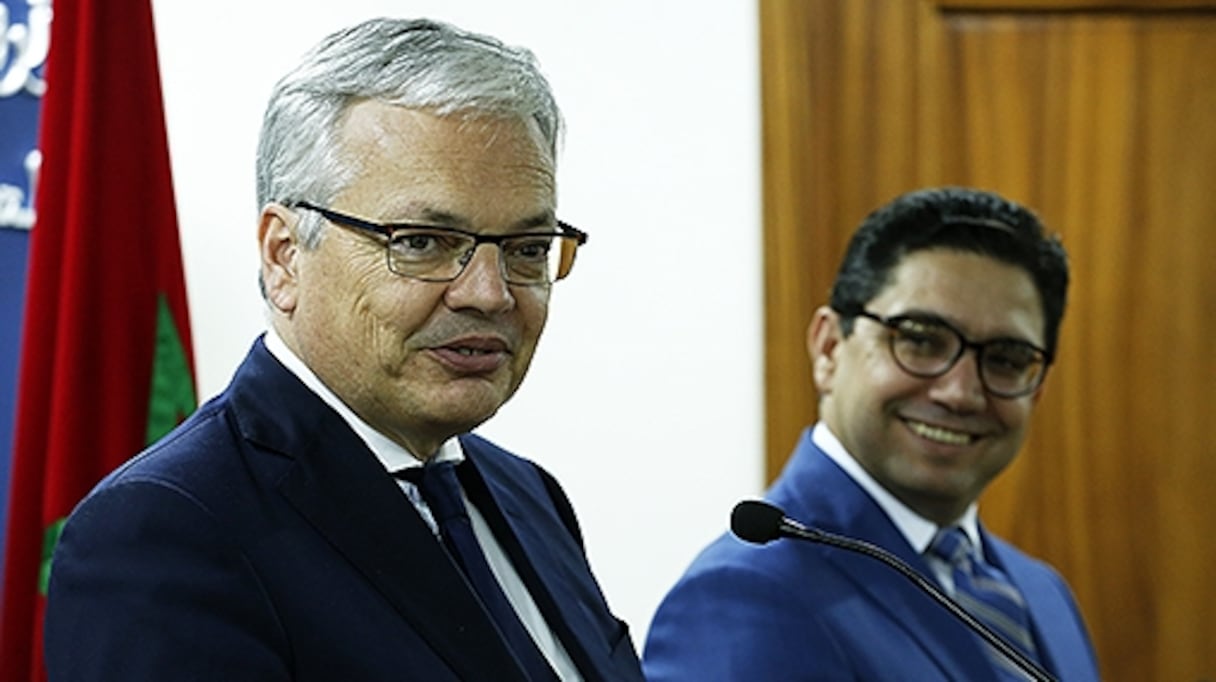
{"x":419,"y":64}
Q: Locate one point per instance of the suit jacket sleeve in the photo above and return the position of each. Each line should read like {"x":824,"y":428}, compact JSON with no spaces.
{"x":146,"y":583}
{"x":728,"y":621}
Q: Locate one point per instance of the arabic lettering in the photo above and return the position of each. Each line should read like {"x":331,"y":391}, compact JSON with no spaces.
{"x":23,"y":49}
{"x":23,"y":52}
{"x":13,"y":211}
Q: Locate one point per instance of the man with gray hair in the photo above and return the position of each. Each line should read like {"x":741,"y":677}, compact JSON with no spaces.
{"x":329,"y":516}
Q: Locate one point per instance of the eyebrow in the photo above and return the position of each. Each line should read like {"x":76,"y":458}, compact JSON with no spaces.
{"x":441,"y":218}
{"x":922,"y":315}
{"x":935,"y":318}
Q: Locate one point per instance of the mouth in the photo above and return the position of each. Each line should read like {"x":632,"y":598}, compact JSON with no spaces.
{"x":470,"y":352}
{"x":481,"y":355}
{"x":939,"y":434}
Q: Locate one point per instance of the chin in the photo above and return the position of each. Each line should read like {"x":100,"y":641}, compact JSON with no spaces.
{"x":462,"y":420}
{"x":933,"y":483}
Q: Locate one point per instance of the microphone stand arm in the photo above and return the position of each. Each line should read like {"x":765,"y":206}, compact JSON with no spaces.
{"x":792,"y":528}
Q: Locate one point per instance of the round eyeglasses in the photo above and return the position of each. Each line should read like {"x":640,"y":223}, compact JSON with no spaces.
{"x":433,"y":253}
{"x":928,"y":347}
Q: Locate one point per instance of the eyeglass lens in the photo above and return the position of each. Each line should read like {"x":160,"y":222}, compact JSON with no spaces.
{"x":926,"y":348}
{"x":441,"y":255}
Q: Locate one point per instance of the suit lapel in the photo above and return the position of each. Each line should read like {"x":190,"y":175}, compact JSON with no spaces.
{"x":816,"y":491}
{"x":530,"y":534}
{"x":337,"y":484}
{"x":1062,"y":647}
{"x":916,"y":612}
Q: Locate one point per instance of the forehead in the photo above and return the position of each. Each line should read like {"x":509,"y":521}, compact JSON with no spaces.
{"x":475,"y":168}
{"x":982,"y":296}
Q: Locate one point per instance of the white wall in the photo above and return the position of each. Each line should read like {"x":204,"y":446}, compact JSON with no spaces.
{"x":645,"y":398}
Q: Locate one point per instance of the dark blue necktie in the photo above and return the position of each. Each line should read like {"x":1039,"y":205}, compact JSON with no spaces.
{"x":986,"y":593}
{"x":440,"y":489}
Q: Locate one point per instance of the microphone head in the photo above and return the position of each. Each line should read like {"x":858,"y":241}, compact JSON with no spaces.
{"x":756,"y":521}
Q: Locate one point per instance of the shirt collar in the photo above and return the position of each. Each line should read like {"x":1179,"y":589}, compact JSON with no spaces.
{"x":918,"y":530}
{"x":391,"y":455}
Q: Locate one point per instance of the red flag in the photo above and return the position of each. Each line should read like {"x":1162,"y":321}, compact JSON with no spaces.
{"x":106,"y":361}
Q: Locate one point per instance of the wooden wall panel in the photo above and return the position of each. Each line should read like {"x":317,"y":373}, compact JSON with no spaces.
{"x":831,"y":114}
{"x":1102,"y":117}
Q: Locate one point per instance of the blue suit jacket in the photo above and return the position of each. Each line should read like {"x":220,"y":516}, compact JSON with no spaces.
{"x":263,"y":541}
{"x":794,"y":610}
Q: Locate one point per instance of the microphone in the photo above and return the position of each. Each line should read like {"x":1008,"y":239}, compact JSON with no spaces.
{"x":760,"y":523}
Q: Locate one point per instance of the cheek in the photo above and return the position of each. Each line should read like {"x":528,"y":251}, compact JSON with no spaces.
{"x":359,"y":300}
{"x":531,"y":314}
{"x":363,"y":298}
{"x":532,"y":304}
{"x":882,"y":379}
{"x":396,"y":309}
{"x":1014,"y":414}
{"x":334,"y":274}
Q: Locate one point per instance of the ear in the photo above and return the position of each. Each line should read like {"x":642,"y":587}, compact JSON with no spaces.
{"x":279,"y":251}
{"x":823,"y":339}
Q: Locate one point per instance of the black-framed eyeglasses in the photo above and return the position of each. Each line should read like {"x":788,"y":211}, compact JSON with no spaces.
{"x":434,"y":253}
{"x":927,"y":347}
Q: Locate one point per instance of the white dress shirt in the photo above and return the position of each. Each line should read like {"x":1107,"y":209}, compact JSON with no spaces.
{"x":918,"y":530}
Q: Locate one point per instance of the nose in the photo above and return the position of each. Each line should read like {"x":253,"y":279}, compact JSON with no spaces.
{"x":961,"y":388}
{"x":481,"y":285}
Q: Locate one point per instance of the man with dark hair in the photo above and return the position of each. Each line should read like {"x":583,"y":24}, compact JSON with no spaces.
{"x":942,"y":323}
{"x":330,"y":516}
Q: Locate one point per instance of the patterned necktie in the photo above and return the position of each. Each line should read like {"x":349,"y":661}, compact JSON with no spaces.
{"x":986,"y":593}
{"x":441,"y":489}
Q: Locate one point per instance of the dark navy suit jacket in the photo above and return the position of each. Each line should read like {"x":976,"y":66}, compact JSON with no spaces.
{"x":794,"y":610}
{"x":262,"y":540}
